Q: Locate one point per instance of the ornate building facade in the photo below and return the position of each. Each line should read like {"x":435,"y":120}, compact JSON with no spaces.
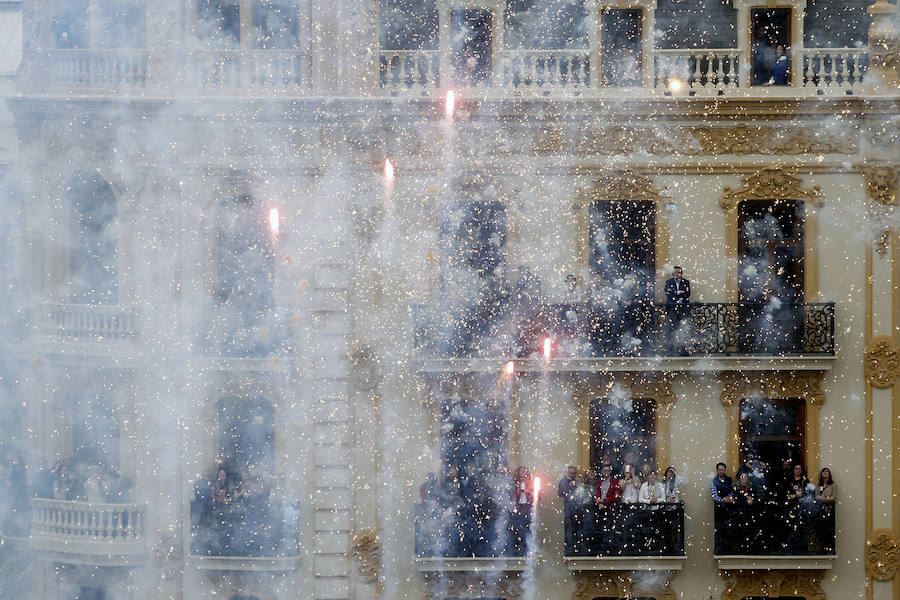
{"x":324,"y":246}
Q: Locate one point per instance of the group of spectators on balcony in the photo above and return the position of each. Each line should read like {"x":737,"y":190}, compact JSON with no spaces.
{"x":468,"y":513}
{"x":759,"y":499}
{"x":595,"y":521}
{"x":240,"y":511}
{"x":82,"y":481}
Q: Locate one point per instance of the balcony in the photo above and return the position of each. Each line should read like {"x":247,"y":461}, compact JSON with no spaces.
{"x":625,"y":537}
{"x":774,"y":535}
{"x":86,"y":325}
{"x":267,"y":72}
{"x":245,"y":535}
{"x":97,"y":70}
{"x":87,"y":533}
{"x":711,"y":335}
{"x":476,"y":537}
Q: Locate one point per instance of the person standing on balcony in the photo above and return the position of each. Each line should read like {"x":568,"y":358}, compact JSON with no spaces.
{"x":780,"y":68}
{"x":568,"y":490}
{"x":608,"y":490}
{"x":722,"y":486}
{"x":652,"y":491}
{"x":722,"y":490}
{"x":42,"y":483}
{"x":671,"y":481}
{"x":763,"y":56}
{"x":678,"y":309}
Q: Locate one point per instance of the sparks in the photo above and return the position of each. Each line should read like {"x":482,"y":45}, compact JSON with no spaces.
{"x":510,"y":368}
{"x":537,"y":487}
{"x":675,"y":85}
{"x":548,"y":347}
{"x":274,"y":222}
{"x":388,"y":171}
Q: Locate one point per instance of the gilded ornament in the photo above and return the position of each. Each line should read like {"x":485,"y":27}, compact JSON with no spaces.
{"x":602,"y":584}
{"x":772,"y":584}
{"x":882,"y":555}
{"x":770,"y":184}
{"x":780,"y":384}
{"x":881,"y":184}
{"x":882,"y":361}
{"x":366,"y":550}
{"x":449,"y":584}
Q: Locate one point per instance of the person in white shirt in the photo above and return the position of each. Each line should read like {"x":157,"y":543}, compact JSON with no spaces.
{"x":652,"y":491}
{"x":631,"y":486}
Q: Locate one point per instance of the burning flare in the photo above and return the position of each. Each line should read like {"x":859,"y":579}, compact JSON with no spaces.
{"x":537,"y":487}
{"x":274,"y":222}
{"x":388,"y":171}
{"x":548,"y":348}
{"x":450,"y":104}
{"x":510,"y":368}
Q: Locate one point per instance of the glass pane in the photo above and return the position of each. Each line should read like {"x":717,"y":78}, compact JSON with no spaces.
{"x":70,"y":24}
{"x":409,"y":25}
{"x":471,"y":41}
{"x":623,"y":425}
{"x":275,"y":24}
{"x":124,"y":23}
{"x":621,"y":47}
{"x":549,"y":24}
{"x":219,"y":23}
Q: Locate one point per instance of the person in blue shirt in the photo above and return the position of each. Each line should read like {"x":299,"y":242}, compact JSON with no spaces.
{"x":779,"y":71}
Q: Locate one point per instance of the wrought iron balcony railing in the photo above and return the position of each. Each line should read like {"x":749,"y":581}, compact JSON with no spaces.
{"x":470,"y":529}
{"x":625,"y":530}
{"x":507,"y":328}
{"x":800,"y":527}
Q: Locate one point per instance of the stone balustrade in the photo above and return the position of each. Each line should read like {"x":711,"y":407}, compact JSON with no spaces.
{"x":97,"y":321}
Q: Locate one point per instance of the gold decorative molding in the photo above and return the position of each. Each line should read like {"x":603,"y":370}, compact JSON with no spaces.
{"x":366,"y":550}
{"x":881,"y":184}
{"x":882,"y":555}
{"x":618,"y":186}
{"x":740,"y":140}
{"x":773,"y":584}
{"x":638,"y":385}
{"x":774,"y":184}
{"x":449,"y":584}
{"x":882,"y":361}
{"x":617,"y":584}
{"x":883,"y":242}
{"x":805,"y":385}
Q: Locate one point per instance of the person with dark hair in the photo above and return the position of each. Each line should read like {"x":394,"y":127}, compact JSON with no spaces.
{"x":721,"y":486}
{"x":780,"y":68}
{"x":722,"y":490}
{"x":568,"y":490}
{"x":523,"y":503}
{"x":797,"y":511}
{"x":826,"y":496}
{"x":671,"y":480}
{"x":678,"y":308}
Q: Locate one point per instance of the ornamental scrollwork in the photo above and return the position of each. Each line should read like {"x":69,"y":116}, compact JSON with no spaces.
{"x":881,"y":184}
{"x":619,"y":186}
{"x":630,"y":584}
{"x":770,"y":184}
{"x":882,"y":555}
{"x":366,"y":550}
{"x":882,"y":361}
{"x":783,"y":384}
{"x":773,"y":584}
{"x":472,"y":585}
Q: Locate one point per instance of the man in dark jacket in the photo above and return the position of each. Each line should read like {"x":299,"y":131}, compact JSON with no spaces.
{"x":678,"y":293}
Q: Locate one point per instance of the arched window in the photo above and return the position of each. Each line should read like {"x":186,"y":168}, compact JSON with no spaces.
{"x":246,"y":431}
{"x":94,"y":255}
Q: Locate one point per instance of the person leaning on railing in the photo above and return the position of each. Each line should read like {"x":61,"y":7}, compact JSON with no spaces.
{"x":826,"y":496}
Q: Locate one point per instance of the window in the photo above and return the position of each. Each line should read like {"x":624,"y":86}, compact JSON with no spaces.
{"x":219,"y":23}
{"x":276,"y":24}
{"x":771,"y":28}
{"x":471,"y":42}
{"x":90,"y":593}
{"x":770,"y":274}
{"x":621,"y":425}
{"x":409,"y":25}
{"x":95,"y":430}
{"x":773,"y":429}
{"x":552,"y":25}
{"x":246,"y":431}
{"x":623,"y":236}
{"x":476,"y":235}
{"x":621,"y":46}
{"x":124,"y":23}
{"x":70,"y":24}
{"x":244,"y":258}
{"x":93,"y":259}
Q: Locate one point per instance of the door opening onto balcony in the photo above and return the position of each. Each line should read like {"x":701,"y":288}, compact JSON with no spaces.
{"x":623,"y":431}
{"x":70,"y":24}
{"x":774,"y":430}
{"x":219,"y":23}
{"x":276,"y":24}
{"x":622,"y":258}
{"x":123,"y":23}
{"x":471,"y":44}
{"x":246,"y":432}
{"x":770,"y":29}
{"x":770,"y":274}
{"x":621,"y":46}
{"x":95,"y":431}
{"x":408,"y":38}
{"x":93,"y":268}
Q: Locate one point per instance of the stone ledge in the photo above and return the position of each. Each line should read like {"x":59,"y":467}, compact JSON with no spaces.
{"x":624,"y":563}
{"x":245,"y":563}
{"x":774,"y":563}
{"x":472,"y":564}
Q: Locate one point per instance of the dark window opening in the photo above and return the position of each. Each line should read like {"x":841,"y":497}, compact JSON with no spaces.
{"x":246,"y":432}
{"x":621,"y":46}
{"x":409,"y":25}
{"x":774,"y":430}
{"x":770,"y":248}
{"x":70,"y":24}
{"x":476,"y":235}
{"x":771,"y":28}
{"x":95,"y":432}
{"x":276,"y":24}
{"x":622,"y":244}
{"x":244,"y":258}
{"x":124,"y":23}
{"x":219,"y":23}
{"x":93,"y":264}
{"x":622,"y":425}
{"x":550,"y":25}
{"x":471,"y":43}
